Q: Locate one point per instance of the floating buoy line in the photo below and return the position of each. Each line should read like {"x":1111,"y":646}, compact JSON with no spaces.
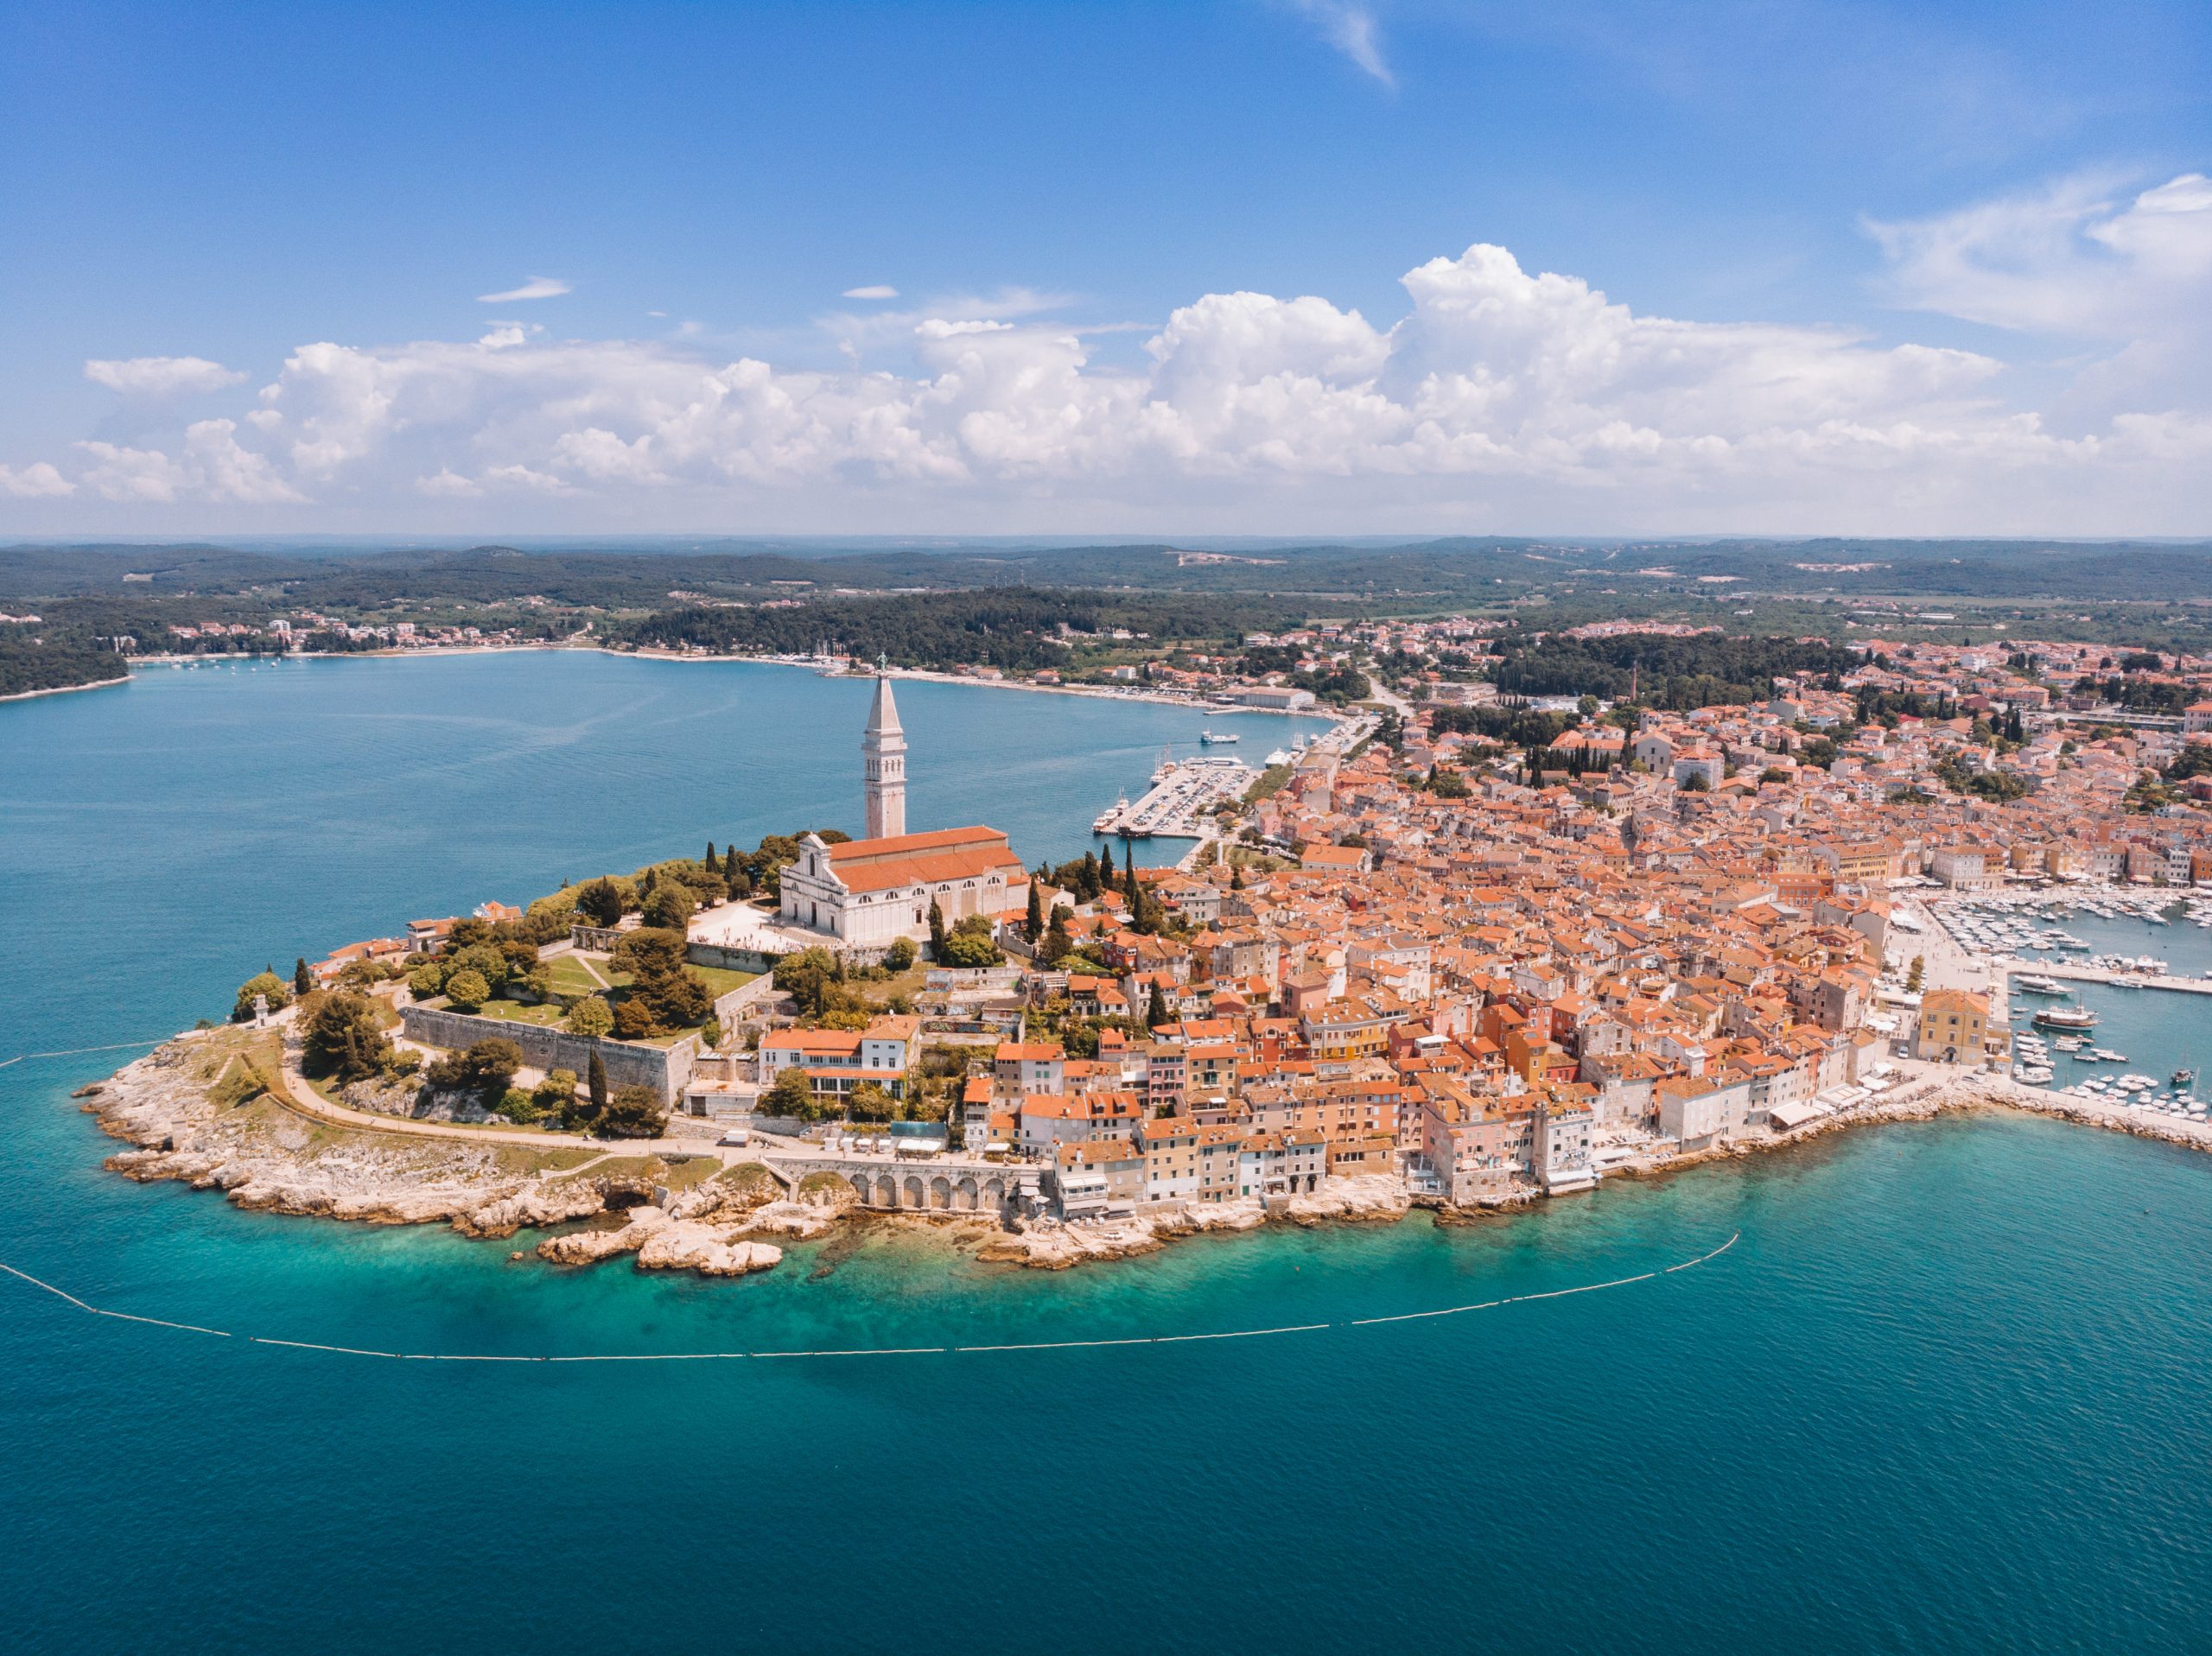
{"x":868,"y":1351}
{"x":79,"y":1052}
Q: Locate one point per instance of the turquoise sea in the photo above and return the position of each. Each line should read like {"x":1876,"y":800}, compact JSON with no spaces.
{"x":1947,"y":1392}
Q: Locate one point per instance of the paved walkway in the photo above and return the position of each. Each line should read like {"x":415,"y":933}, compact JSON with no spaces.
{"x":303,"y":1100}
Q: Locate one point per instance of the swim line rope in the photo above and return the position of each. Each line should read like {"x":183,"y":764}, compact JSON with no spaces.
{"x":79,"y":1052}
{"x":871,"y":1351}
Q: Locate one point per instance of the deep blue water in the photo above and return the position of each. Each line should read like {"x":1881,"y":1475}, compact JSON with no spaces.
{"x":1947,"y":1392}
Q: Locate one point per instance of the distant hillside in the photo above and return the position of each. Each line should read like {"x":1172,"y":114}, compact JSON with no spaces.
{"x":1412,"y":574}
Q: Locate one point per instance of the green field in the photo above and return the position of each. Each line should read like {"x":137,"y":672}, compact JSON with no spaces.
{"x":545,"y":1016}
{"x":575,"y":974}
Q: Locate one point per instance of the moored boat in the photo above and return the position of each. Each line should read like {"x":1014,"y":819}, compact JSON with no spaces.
{"x":2066,"y":1017}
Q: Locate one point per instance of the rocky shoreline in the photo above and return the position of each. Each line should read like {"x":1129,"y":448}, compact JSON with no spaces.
{"x":205,"y":1109}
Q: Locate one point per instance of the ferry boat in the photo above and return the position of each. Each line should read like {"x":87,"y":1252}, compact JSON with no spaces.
{"x":2035,"y":984}
{"x":2066,"y":1017}
{"x":1215,"y":739}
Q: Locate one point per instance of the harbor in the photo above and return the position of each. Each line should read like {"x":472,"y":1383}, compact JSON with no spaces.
{"x":1181,"y":804}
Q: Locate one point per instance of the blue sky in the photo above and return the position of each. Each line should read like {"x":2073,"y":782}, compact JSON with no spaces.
{"x":1880,"y":269}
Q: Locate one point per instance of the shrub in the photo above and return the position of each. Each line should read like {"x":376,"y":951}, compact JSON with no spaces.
{"x":556,"y":1093}
{"x":634,"y":1020}
{"x":669,"y":905}
{"x":268,"y":984}
{"x":427,"y":980}
{"x":899,"y":957}
{"x":591,"y":1016}
{"x":970,"y":945}
{"x":484,"y":1069}
{"x":632,"y":1113}
{"x":467,"y":990}
{"x":341,"y":1037}
{"x":601,"y":902}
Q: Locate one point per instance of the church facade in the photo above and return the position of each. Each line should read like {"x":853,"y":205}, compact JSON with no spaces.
{"x":868,"y":892}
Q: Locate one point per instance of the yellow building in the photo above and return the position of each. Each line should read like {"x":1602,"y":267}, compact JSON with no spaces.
{"x":1952,"y":1026}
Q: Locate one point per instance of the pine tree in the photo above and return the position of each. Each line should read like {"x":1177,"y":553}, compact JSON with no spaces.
{"x":596,"y":1082}
{"x":303,"y":980}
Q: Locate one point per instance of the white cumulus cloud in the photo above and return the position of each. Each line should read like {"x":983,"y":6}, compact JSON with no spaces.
{"x":161,"y":376}
{"x":38,"y":479}
{"x":1499,"y":398}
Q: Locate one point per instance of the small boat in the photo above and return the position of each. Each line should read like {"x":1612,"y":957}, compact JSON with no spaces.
{"x":2184,"y":1077}
{"x":1211,"y":738}
{"x":2066,"y":1017}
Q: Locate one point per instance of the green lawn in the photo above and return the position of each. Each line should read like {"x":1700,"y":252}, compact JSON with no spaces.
{"x":575,"y":975}
{"x":722,"y":980}
{"x":716,"y":978}
{"x":514,"y":1012}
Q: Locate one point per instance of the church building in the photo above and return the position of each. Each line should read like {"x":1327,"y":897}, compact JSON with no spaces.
{"x":867,"y":892}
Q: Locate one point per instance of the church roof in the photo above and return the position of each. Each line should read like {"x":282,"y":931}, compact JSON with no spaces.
{"x":922,"y":859}
{"x":883,"y":714}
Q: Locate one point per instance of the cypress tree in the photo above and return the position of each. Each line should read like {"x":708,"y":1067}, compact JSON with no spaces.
{"x":1106,"y":869}
{"x":1036,"y":920}
{"x":937,"y":931}
{"x":1155,"y":1011}
{"x":303,"y":980}
{"x":709,"y":864}
{"x":596,"y":1081}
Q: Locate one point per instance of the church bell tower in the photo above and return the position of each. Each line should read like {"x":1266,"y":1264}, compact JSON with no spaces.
{"x":883,"y":764}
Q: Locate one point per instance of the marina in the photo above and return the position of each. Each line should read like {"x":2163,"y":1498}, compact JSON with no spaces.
{"x":1181,"y":802}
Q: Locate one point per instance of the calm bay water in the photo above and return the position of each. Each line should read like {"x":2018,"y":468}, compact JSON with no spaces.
{"x":1946,"y":1392}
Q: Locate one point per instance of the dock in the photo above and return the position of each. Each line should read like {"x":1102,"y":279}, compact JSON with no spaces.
{"x":1181,"y":802}
{"x":2063,"y":972}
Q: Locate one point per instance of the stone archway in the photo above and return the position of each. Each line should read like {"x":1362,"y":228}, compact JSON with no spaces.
{"x":887,"y":1193}
{"x":995,"y":1194}
{"x":913,"y":1197}
{"x":860,"y":1187}
{"x":940,"y":1191}
{"x":965,"y":1194}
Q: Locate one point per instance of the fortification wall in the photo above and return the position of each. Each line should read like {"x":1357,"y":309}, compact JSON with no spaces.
{"x":628,"y":1063}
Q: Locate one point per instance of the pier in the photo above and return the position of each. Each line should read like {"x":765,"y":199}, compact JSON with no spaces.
{"x":1181,"y":802}
{"x":2061,"y":972}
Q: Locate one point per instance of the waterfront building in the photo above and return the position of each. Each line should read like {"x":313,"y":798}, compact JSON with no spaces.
{"x":835,"y":1061}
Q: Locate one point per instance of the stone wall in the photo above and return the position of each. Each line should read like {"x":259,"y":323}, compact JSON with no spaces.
{"x":730,"y":959}
{"x":628,"y":1064}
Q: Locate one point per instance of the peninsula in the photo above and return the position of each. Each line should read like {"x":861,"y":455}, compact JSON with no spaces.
{"x":1471,"y":950}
